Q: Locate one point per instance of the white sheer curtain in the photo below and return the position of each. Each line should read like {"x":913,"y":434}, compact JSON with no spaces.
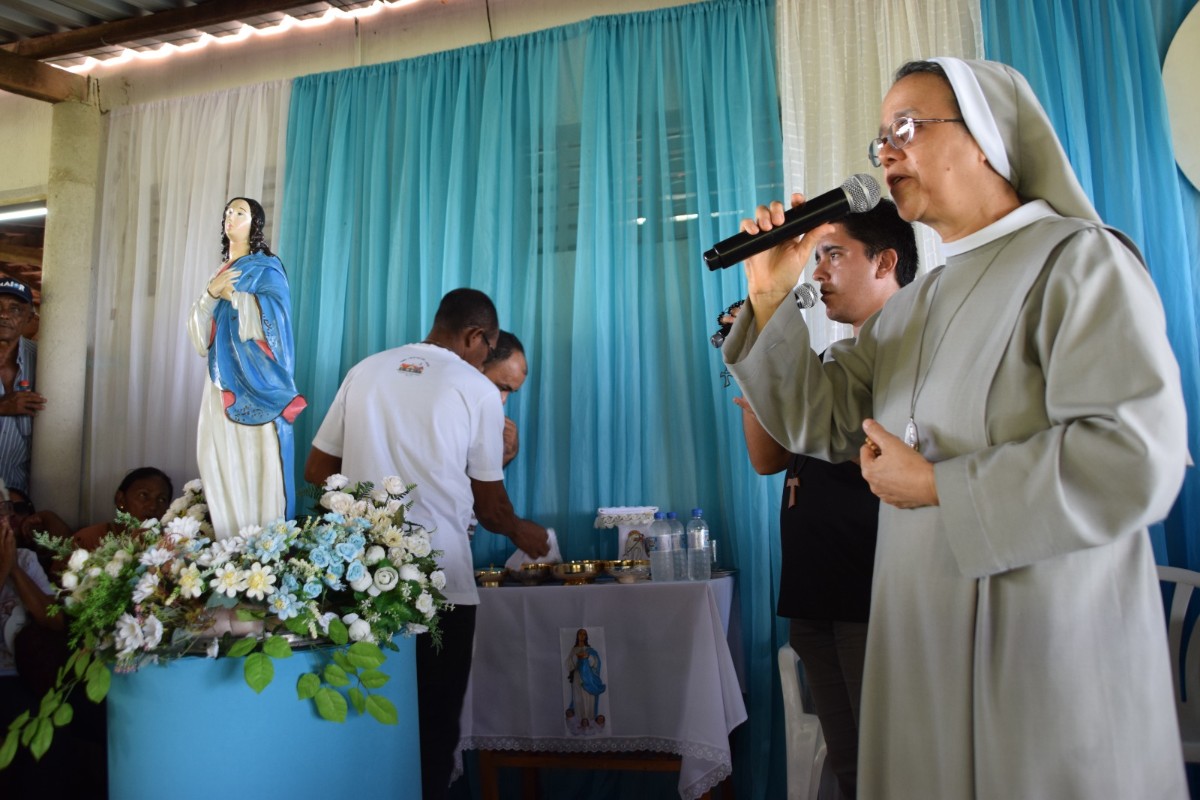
{"x":169,"y":169}
{"x":836,"y":60}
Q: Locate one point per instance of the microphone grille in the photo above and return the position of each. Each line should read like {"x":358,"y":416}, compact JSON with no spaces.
{"x":806,"y":295}
{"x":862,"y":192}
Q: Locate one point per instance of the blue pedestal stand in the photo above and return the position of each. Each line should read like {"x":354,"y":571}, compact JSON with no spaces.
{"x":194,"y":729}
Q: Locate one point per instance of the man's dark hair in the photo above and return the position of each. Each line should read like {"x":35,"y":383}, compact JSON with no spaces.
{"x":506,"y":344}
{"x":145,"y":472}
{"x":466,"y":308}
{"x":881,"y":229}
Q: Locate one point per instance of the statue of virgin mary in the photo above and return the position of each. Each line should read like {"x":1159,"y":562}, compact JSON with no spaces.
{"x":242,"y":324}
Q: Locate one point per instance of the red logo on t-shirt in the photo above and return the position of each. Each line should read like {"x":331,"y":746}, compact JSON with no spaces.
{"x":413,"y":365}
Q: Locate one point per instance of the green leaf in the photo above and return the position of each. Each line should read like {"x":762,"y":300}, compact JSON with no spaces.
{"x":342,"y":660}
{"x":50,"y":702}
{"x":382,"y":709}
{"x":366,"y":655}
{"x":358,"y":700}
{"x":373,"y":678}
{"x":330,"y":705}
{"x":335,"y":675}
{"x":250,"y":614}
{"x":277,"y":647}
{"x":337,"y":632}
{"x":259,"y":671}
{"x":297,"y":625}
{"x":42,"y":739}
{"x":307,"y":685}
{"x":81,"y":665}
{"x":28,"y":731}
{"x":242,"y":647}
{"x":19,"y":721}
{"x":9,"y":749}
{"x":98,"y":681}
{"x":63,"y":715}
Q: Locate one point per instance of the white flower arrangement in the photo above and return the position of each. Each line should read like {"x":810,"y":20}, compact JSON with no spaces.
{"x":359,"y":574}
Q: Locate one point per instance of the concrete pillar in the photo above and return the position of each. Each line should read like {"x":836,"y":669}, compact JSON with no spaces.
{"x":71,"y":197}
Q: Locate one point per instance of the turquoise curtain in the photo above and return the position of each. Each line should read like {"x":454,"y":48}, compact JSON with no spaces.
{"x":1096,"y":65}
{"x":576,"y":175}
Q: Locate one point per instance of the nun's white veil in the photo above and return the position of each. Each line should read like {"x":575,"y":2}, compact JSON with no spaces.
{"x":1011,"y":127}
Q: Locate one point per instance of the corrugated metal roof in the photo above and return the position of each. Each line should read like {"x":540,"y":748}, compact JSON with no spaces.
{"x":26,"y":21}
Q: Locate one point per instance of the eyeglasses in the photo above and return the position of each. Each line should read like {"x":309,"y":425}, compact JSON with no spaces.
{"x":899,"y":135}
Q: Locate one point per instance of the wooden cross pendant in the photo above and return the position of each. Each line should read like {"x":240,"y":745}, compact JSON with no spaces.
{"x":792,"y":483}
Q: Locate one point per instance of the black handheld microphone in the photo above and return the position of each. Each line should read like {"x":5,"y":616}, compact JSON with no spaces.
{"x":858,"y":194}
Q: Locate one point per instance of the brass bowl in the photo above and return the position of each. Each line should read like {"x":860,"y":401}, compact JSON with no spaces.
{"x":490,"y":577}
{"x":532,"y":574}
{"x":630,"y":571}
{"x":576,"y":573}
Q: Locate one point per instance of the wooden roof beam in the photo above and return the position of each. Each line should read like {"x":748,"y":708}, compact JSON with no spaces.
{"x":31,"y":78}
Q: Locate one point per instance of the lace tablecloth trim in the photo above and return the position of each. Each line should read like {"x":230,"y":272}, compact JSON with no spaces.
{"x":624,"y":515}
{"x":714,"y":755}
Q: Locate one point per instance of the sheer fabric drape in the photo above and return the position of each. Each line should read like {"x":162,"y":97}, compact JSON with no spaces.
{"x":836,"y":61}
{"x":576,"y":175}
{"x":1096,"y":67}
{"x":169,"y":168}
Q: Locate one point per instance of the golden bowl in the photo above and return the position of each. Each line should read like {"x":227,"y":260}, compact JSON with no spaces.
{"x":629,"y":570}
{"x":490,"y":577}
{"x":576,"y":573}
{"x":532,"y":574}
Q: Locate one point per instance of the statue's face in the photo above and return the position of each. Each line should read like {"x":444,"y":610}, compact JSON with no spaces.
{"x":237,"y":221}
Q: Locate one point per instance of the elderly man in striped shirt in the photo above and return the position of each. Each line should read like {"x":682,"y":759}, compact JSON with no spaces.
{"x":19,"y":404}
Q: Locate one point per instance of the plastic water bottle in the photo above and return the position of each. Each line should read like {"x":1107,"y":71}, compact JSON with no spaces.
{"x":699,"y":552}
{"x":679,"y":536}
{"x":662,"y":557}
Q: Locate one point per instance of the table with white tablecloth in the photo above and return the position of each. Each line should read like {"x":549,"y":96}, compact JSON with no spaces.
{"x":661,"y":650}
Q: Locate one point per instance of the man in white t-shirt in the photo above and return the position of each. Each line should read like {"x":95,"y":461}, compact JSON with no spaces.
{"x":426,"y":413}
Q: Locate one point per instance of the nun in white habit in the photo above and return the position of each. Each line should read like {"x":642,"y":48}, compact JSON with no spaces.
{"x":1019,"y":412}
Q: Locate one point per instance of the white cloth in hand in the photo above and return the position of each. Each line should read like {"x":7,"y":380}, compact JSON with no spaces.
{"x":553,"y":556}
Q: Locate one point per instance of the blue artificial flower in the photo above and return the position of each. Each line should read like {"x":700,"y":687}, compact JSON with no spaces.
{"x":347,"y":551}
{"x":357,"y":539}
{"x":336,"y":519}
{"x":289,"y":582}
{"x":336,"y":567}
{"x":266,"y":546}
{"x":284,"y":605}
{"x":312,"y":588}
{"x":320,"y":557}
{"x":356,"y":571}
{"x":333,"y":581}
{"x":284,"y":528}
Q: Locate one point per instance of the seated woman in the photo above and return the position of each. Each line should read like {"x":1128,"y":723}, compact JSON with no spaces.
{"x":145,"y":493}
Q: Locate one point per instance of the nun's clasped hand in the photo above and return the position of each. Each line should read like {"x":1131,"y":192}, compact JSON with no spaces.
{"x":897,"y":474}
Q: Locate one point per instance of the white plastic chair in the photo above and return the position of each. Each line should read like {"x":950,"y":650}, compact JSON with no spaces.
{"x":805,"y":743}
{"x":1187,"y":688}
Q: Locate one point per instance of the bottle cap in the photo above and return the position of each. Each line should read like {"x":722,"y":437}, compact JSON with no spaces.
{"x":697,"y":512}
{"x":659,"y":515}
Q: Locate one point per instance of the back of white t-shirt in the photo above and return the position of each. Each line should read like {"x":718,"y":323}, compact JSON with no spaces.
{"x":424,"y":414}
